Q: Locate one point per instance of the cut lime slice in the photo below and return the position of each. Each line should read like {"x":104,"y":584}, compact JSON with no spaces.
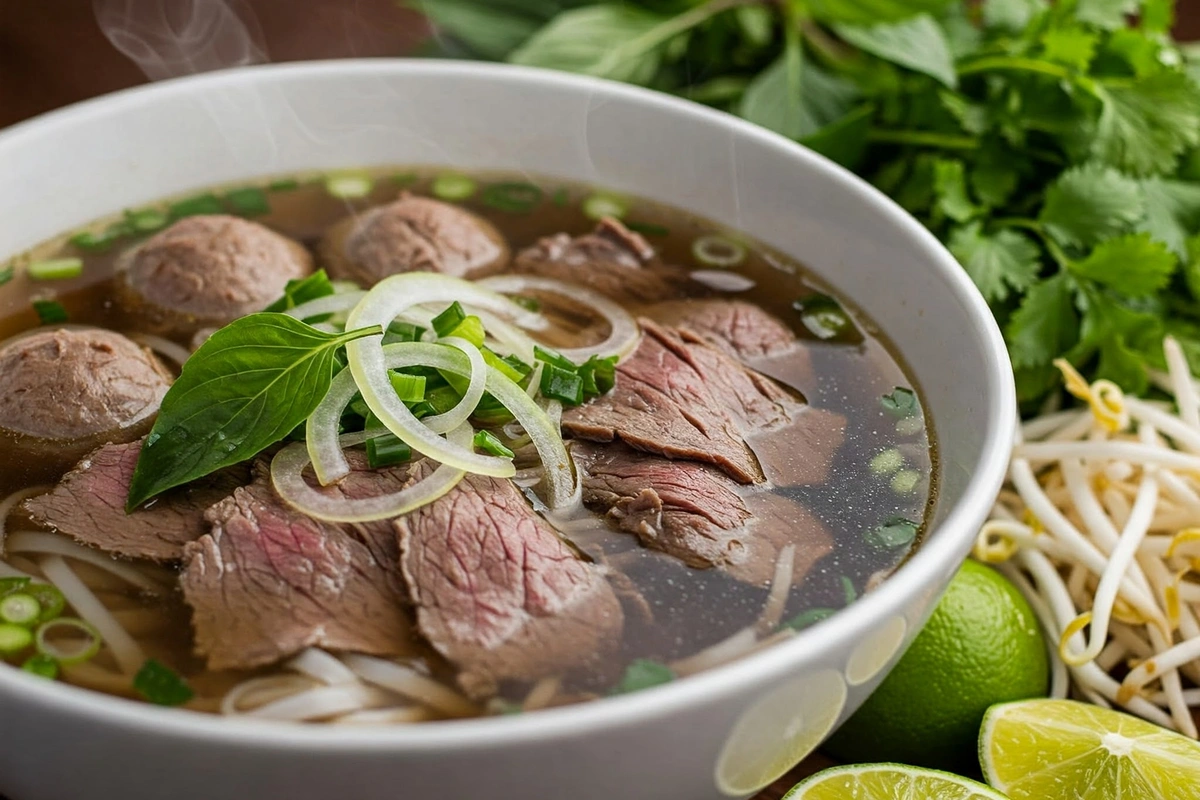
{"x":889,"y":782}
{"x":1060,"y":748}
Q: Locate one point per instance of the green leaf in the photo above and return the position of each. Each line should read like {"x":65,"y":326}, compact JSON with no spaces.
{"x":1011,"y":15}
{"x":643,"y":673}
{"x":950,"y":189}
{"x":917,"y":43}
{"x":1132,"y":265}
{"x":491,"y":31}
{"x":844,"y":141}
{"x":1046,"y":324}
{"x":993,"y":180}
{"x":1146,"y":125}
{"x":774,"y":99}
{"x":1122,"y":365}
{"x":1107,"y":14}
{"x":1172,"y":212}
{"x":1191,"y":267}
{"x":757,"y":24}
{"x":246,"y":388}
{"x":1070,"y":45}
{"x":1142,"y":54}
{"x":1088,"y":204}
{"x":1158,"y":16}
{"x":161,"y":685}
{"x":869,"y":12}
{"x":998,"y":263}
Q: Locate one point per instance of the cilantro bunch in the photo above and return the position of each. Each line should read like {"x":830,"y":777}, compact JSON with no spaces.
{"x":1051,"y":147}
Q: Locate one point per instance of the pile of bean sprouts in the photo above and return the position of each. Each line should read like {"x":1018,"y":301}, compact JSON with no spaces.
{"x":1099,"y":528}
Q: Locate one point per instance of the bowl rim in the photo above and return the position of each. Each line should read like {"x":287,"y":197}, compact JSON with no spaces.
{"x":914,"y":576}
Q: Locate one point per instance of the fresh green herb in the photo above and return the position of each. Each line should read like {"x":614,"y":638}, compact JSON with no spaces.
{"x":93,"y":242}
{"x":387,"y":450}
{"x":527,"y":303}
{"x":248,"y":386}
{"x":561,"y":384}
{"x":400,"y":331}
{"x":49,"y":599}
{"x":487,"y":442}
{"x":603,"y":204}
{"x":643,"y":673}
{"x":10,"y":585}
{"x":20,"y":609}
{"x":553,"y":357}
{"x":509,"y":369}
{"x":1054,"y":147}
{"x":14,"y":638}
{"x":901,"y":402}
{"x":349,"y":185}
{"x":895,"y":532}
{"x":409,"y":388}
{"x":453,"y":187}
{"x":42,"y":666}
{"x":302,"y":290}
{"x":824,"y":316}
{"x":599,"y":375}
{"x":283,"y":185}
{"x":507,"y":707}
{"x":193,"y":206}
{"x":809,"y":618}
{"x":449,"y":319}
{"x":50,"y":312}
{"x":7,"y":274}
{"x":886,"y":461}
{"x":513,"y":197}
{"x":160,"y":684}
{"x":470,"y":329}
{"x":405,"y":178}
{"x":442,"y":399}
{"x":904,"y":481}
{"x":248,"y":201}
{"x":561,"y":197}
{"x":146,"y":220}
{"x":55,"y":269}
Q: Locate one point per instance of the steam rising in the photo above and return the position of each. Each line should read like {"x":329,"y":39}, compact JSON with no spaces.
{"x":172,"y":38}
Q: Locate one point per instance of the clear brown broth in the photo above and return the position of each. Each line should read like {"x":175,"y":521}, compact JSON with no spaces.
{"x":692,"y":608}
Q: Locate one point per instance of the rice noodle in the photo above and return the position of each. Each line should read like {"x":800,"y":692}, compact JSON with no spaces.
{"x":124,"y":649}
{"x":163,"y":347}
{"x":10,"y":502}
{"x":408,"y":682}
{"x":54,"y":544}
{"x":724,"y":651}
{"x":542,"y":694}
{"x":1104,"y":540}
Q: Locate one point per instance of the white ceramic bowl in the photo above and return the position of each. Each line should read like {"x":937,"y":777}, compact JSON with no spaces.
{"x":684,"y":740}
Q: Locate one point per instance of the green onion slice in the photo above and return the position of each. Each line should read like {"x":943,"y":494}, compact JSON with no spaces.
{"x":161,"y":685}
{"x":55,"y":269}
{"x":349,"y":185}
{"x":409,"y":388}
{"x":717,"y":251}
{"x":10,"y":585}
{"x":67,"y":640}
{"x":49,"y":598}
{"x":50,"y":312}
{"x":248,"y":201}
{"x":194,"y":206}
{"x":42,"y":666}
{"x":20,"y":609}
{"x":604,"y":204}
{"x":513,"y":197}
{"x":387,"y":451}
{"x":14,"y":638}
{"x":487,"y":441}
{"x":453,"y":187}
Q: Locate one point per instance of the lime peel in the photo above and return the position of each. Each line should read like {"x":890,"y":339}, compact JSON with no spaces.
{"x":887,"y":782}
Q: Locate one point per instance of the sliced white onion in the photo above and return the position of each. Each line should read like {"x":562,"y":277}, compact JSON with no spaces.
{"x":329,"y":304}
{"x":722,"y":281}
{"x":321,"y":430}
{"x":287,"y":476}
{"x":464,"y":408}
{"x":543,"y":432}
{"x":623,"y":334}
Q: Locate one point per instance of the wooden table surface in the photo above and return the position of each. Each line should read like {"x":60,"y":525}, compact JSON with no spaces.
{"x":52,"y":52}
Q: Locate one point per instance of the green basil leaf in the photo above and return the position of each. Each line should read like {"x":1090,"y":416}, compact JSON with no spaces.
{"x":245,"y":389}
{"x":774,"y":99}
{"x":643,"y":673}
{"x":917,"y":43}
{"x":489,"y":30}
{"x":869,"y":12}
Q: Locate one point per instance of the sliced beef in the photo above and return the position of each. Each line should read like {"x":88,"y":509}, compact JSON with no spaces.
{"x":268,"y":582}
{"x":88,"y":504}
{"x":802,"y":453}
{"x":413,"y":234}
{"x":696,"y":514}
{"x":680,"y":397}
{"x":207,"y":270}
{"x":611,"y":260}
{"x":498,"y":593}
{"x":743,"y":330}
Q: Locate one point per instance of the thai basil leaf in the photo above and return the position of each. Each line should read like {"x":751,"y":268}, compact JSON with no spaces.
{"x":917,"y":43}
{"x":245,"y":389}
{"x":870,"y":12}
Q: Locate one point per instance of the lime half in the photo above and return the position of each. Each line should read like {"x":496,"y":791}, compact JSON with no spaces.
{"x":889,"y":782}
{"x":1036,"y":749}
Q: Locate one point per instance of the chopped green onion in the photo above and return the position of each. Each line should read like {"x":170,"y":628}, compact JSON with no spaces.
{"x":527,"y":303}
{"x":14,"y":638}
{"x":146,"y":221}
{"x":491,"y":411}
{"x":386,"y":451}
{"x":409,"y":388}
{"x":900,"y":402}
{"x":887,"y":462}
{"x":717,"y":251}
{"x":74,"y":652}
{"x":193,"y":206}
{"x":848,"y":590}
{"x":560,"y":384}
{"x":895,"y":532}
{"x":42,"y":666}
{"x":506,"y":368}
{"x":517,"y":365}
{"x":910,"y":426}
{"x":808,"y":618}
{"x":554,"y":358}
{"x":50,"y":312}
{"x":603,"y":204}
{"x":97,"y":242}
{"x":349,"y":185}
{"x":7,"y":274}
{"x":405,"y":178}
{"x":442,"y":399}
{"x":648,"y":228}
{"x":452,"y":186}
{"x":20,"y":609}
{"x":470,"y":329}
{"x":49,"y":598}
{"x":55,"y":269}
{"x":487,"y":442}
{"x":449,"y":319}
{"x":283,"y":185}
{"x":561,"y":197}
{"x":248,"y":201}
{"x":10,"y":585}
{"x":823,"y":316}
{"x":904,"y":481}
{"x":302,"y":290}
{"x":508,"y":707}
{"x":513,"y":197}
{"x":400,"y":331}
{"x":599,"y":375}
{"x":643,"y":673}
{"x":161,"y":685}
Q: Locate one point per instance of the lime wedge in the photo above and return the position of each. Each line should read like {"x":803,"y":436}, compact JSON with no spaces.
{"x":889,"y":782}
{"x":1060,"y":748}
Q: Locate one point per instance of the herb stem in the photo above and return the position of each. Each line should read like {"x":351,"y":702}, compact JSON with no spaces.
{"x":923,"y":139}
{"x":1033,"y":65}
{"x":1035,"y":227}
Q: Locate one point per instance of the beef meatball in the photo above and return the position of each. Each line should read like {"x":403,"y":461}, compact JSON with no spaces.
{"x":413,"y":234}
{"x":67,"y":391}
{"x":207,"y":271}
